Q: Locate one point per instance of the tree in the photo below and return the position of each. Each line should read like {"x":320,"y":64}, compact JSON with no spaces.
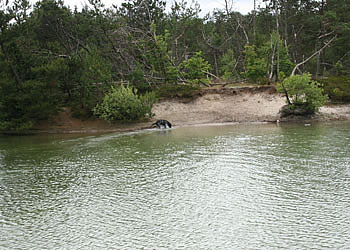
{"x":255,"y":66}
{"x":196,"y":68}
{"x":143,"y":13}
{"x":228,"y":65}
{"x":51,"y":56}
{"x":269,"y":51}
{"x":337,"y":22}
{"x":92,"y":78}
{"x":25,"y":95}
{"x":305,"y":96}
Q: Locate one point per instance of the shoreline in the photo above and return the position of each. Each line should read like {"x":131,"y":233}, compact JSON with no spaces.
{"x":141,"y":128}
{"x":235,"y":105}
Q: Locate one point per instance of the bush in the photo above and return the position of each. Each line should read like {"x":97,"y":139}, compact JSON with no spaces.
{"x":123,"y":103}
{"x":303,"y":92}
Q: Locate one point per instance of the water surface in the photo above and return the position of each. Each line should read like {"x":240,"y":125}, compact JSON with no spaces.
{"x":213,"y":187}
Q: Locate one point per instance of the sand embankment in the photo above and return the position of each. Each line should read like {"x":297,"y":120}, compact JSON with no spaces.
{"x":248,"y":104}
{"x":213,"y":105}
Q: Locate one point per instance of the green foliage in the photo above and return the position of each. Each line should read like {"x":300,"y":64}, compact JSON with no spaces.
{"x":136,"y":77}
{"x":141,"y":14}
{"x":261,"y":62}
{"x":123,"y":104}
{"x":95,"y":68}
{"x":337,"y":88}
{"x":22,"y":106}
{"x":93,"y":77}
{"x":255,"y":67}
{"x":341,"y":70}
{"x":195,"y":68}
{"x":159,"y":57}
{"x":172,"y":74}
{"x":228,"y":65}
{"x":266,"y":51}
{"x":303,"y":91}
{"x":52,"y":56}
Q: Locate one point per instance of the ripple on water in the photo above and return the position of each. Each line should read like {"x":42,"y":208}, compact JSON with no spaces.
{"x":190,"y":188}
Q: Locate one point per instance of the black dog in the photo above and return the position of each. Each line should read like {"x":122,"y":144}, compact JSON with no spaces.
{"x":162,"y":124}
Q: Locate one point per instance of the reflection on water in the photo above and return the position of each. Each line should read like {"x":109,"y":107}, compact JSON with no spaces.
{"x":217,"y":187}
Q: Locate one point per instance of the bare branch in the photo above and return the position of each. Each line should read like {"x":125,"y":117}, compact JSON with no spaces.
{"x":210,"y":74}
{"x":314,"y":54}
{"x":327,"y":34}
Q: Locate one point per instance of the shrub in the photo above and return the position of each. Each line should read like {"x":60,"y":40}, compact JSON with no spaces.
{"x":303,"y":92}
{"x":123,"y":103}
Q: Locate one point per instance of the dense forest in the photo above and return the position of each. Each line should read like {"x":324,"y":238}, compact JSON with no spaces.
{"x":52,"y":56}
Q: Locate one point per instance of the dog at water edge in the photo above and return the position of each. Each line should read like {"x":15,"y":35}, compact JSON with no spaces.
{"x":162,"y":124}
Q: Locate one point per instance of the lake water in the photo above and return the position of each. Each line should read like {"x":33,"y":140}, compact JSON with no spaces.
{"x":251,"y":186}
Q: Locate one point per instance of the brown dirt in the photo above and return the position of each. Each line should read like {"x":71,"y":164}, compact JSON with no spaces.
{"x":215,"y":105}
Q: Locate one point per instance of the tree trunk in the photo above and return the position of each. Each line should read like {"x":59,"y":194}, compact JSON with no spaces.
{"x":216,"y":64}
{"x":254,"y":23}
{"x":318,"y":56}
{"x":273,"y":48}
{"x":278,"y":42}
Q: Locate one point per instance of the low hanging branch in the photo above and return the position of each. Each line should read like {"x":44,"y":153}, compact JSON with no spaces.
{"x":314,"y":54}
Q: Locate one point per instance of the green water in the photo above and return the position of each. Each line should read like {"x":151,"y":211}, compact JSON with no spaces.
{"x":214,"y":187}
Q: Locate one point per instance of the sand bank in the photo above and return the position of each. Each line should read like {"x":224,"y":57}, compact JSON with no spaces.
{"x":217,"y":105}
